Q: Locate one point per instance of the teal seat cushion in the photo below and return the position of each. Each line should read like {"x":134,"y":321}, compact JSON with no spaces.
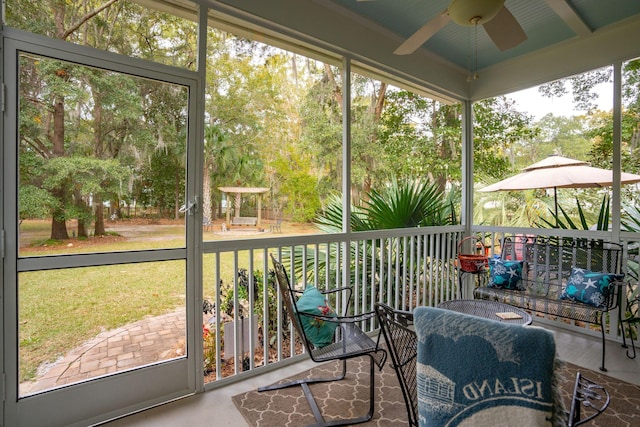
{"x":318,"y":331}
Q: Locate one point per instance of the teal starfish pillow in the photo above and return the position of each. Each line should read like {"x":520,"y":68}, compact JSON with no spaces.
{"x":504,"y":273}
{"x":589,"y":287}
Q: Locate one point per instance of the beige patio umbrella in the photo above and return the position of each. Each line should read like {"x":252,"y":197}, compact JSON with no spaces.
{"x":559,"y":172}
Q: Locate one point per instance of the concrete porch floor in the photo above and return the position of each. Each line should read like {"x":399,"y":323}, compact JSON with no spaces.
{"x":216,"y":408}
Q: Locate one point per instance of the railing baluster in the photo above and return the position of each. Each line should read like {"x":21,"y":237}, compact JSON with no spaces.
{"x":372,"y":284}
{"x":218,"y":327}
{"x":265,"y":307}
{"x":431,"y":279}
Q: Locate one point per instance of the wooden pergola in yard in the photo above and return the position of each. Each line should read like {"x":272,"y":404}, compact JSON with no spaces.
{"x":239,"y":191}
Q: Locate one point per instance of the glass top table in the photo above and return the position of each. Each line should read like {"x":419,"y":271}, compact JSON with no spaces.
{"x":492,"y":310}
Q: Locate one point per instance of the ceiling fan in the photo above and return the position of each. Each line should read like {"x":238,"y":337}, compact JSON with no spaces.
{"x":498,"y":22}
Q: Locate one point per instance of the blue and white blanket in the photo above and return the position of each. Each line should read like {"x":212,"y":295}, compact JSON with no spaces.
{"x":479,"y":372}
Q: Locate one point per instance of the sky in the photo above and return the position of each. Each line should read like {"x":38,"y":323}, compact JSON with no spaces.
{"x":530,"y":101}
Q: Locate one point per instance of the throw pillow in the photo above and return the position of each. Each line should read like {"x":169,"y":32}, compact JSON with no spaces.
{"x":504,"y":273}
{"x":589,"y":287}
{"x":318,"y":331}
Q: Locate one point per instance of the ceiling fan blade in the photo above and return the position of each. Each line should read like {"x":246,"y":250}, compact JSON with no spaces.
{"x":423,"y":34}
{"x":504,"y":30}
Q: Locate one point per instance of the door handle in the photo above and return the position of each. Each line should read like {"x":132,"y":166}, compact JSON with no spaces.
{"x":191,"y":206}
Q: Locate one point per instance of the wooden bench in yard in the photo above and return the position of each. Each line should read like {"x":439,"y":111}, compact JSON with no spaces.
{"x":577,"y":279}
{"x":244,"y":220}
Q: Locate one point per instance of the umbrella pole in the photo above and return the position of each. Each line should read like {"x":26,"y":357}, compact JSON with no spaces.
{"x":555,"y":201}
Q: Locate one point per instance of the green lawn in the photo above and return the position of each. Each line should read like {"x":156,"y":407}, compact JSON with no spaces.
{"x":61,"y":309}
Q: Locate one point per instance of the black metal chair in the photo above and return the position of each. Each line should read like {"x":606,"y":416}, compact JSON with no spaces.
{"x":350,"y":341}
{"x":589,"y":400}
{"x":402,"y":345}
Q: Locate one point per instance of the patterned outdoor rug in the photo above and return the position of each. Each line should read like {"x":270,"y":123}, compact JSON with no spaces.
{"x":349,"y":398}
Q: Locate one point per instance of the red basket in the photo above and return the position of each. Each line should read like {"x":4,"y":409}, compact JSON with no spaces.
{"x":473,"y":263}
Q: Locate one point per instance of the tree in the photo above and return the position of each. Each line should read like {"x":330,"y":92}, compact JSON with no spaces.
{"x":581,"y":86}
{"x":321,"y":127}
{"x":559,"y":135}
{"x":87,"y":178}
{"x":517,"y":209}
{"x":297,"y":186}
{"x":499,"y":132}
{"x":247,"y":110}
{"x":46,"y":85}
{"x":420,"y":137}
{"x":411,"y":202}
{"x":163,"y":174}
{"x":35,"y":202}
{"x":401,"y":204}
{"x":367,"y":105}
{"x":74,"y":111}
{"x":219,"y":158}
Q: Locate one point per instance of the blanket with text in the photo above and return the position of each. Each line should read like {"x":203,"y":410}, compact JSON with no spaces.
{"x":478,"y":372}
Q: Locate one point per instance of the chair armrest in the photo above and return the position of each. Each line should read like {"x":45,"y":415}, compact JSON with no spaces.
{"x":343,"y":288}
{"x":404,"y":317}
{"x":329,"y":291}
{"x":618,"y":286}
{"x":347,"y":289}
{"x":617,"y":289}
{"x":341,"y":319}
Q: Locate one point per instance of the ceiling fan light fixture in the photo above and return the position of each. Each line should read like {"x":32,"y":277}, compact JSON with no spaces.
{"x":473,"y":12}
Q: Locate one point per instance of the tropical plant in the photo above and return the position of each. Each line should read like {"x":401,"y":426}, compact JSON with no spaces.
{"x":209,"y":348}
{"x":228,"y":303}
{"x":631,"y":222}
{"x":631,"y":219}
{"x":563,"y":219}
{"x":516,"y":209}
{"x":404,"y":204}
{"x":401,"y":204}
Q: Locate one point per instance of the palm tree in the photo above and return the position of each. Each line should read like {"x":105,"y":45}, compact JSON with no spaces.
{"x":220,"y":155}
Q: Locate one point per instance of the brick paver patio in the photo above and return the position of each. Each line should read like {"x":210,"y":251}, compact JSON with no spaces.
{"x":149,"y":340}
